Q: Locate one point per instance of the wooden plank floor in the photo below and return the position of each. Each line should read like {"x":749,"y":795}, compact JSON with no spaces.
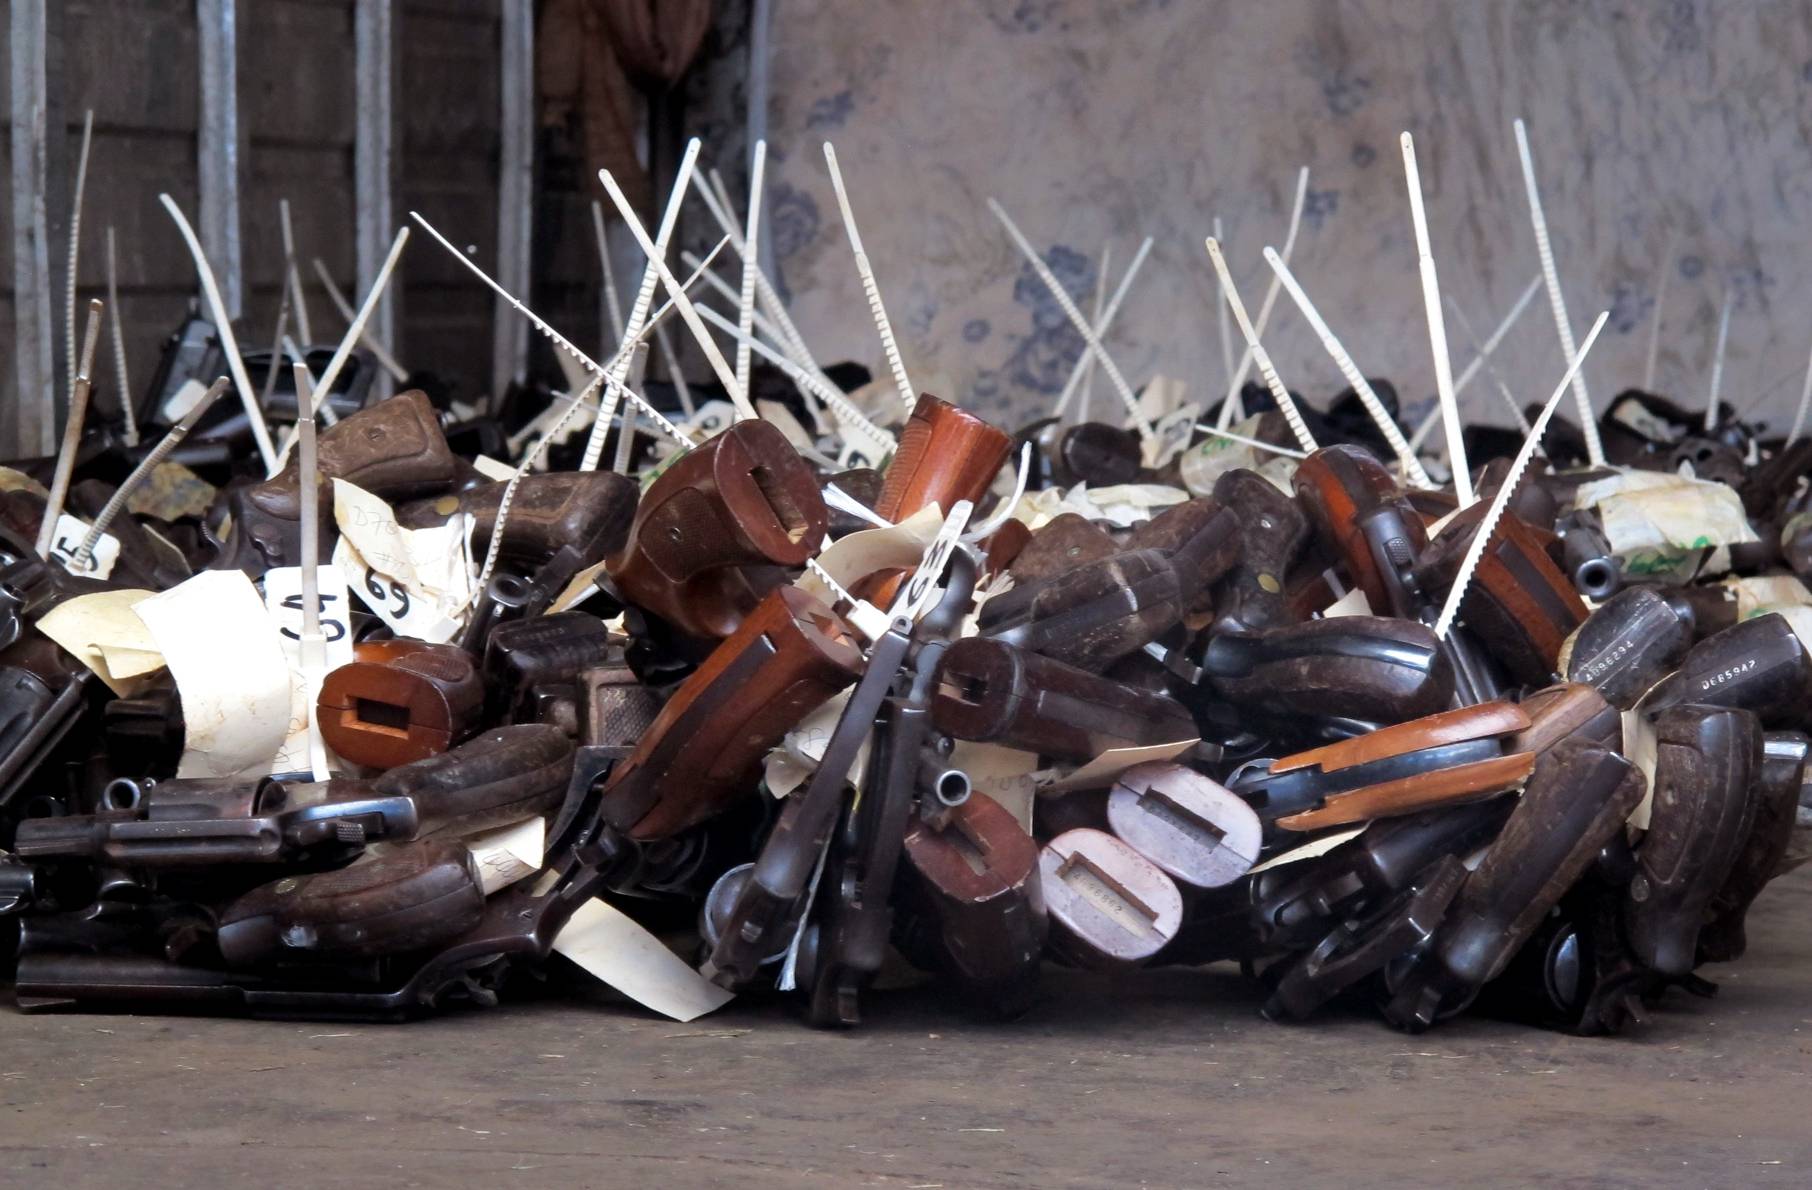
{"x":1168,"y":1079}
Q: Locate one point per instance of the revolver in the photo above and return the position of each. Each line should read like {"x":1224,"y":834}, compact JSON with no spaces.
{"x":399,"y":701}
{"x":1453,"y":756}
{"x":716,"y":531}
{"x":394,"y":450}
{"x":991,"y":691}
{"x":1759,"y":665}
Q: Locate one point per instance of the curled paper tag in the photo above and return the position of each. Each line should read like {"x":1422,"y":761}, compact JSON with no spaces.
{"x":868,"y":551}
{"x":391,"y":600}
{"x":1100,"y":772}
{"x":614,"y":949}
{"x":230,"y":669}
{"x":512,"y":853}
{"x":104,"y":633}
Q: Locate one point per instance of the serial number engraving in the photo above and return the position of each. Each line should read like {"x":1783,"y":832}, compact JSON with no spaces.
{"x":1719,"y":678}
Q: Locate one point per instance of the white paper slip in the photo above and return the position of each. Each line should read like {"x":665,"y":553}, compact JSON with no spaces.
{"x":1004,"y":774}
{"x":390,"y":600}
{"x":102,"y":632}
{"x":857,"y":555}
{"x":230,"y":669}
{"x":433,"y":565}
{"x":1309,"y":850}
{"x":492,"y":469}
{"x":1100,"y":772}
{"x":302,"y":743}
{"x":64,"y":545}
{"x":509,"y":854}
{"x":617,"y":951}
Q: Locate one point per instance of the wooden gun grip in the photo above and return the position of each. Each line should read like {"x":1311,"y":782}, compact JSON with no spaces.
{"x":789,"y":656}
{"x":743,"y":499}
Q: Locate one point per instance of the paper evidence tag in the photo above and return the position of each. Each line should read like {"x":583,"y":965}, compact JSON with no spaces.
{"x":614,"y":949}
{"x":67,"y":541}
{"x":230,"y":668}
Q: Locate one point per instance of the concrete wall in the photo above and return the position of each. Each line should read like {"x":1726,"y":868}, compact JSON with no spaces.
{"x":1098,"y":121}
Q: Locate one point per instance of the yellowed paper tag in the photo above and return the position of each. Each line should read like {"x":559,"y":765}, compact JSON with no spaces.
{"x":580,"y":588}
{"x":102,"y":632}
{"x":1004,"y":774}
{"x":510,"y":854}
{"x":1100,"y":772}
{"x":1309,"y":850}
{"x":230,"y":669}
{"x":614,"y":949}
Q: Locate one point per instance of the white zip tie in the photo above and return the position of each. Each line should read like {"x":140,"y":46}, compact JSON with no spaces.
{"x":223,"y":329}
{"x":1004,"y":513}
{"x":558,"y":339}
{"x":638,"y":310}
{"x":127,"y":412}
{"x":331,"y":372}
{"x":745,"y":306}
{"x":1221,"y":316}
{"x":378,"y":351}
{"x":1717,"y":366}
{"x":613,"y":306}
{"x":1437,"y":330}
{"x":72,"y":434}
{"x":908,"y":395}
{"x":1285,"y":403}
{"x":1654,"y":323}
{"x":1557,"y":300}
{"x":1264,"y":307}
{"x":1490,"y":365}
{"x":1087,"y":359}
{"x":1229,"y":435}
{"x":1805,"y":399}
{"x":880,"y":439}
{"x":292,"y":277}
{"x":1475,"y":549}
{"x":1103,"y":321}
{"x":1485,"y":352}
{"x":1354,"y":377}
{"x":1064,"y":302}
{"x":75,"y":243}
{"x":170,"y":441}
{"x":789,"y":337}
{"x":687,"y":311}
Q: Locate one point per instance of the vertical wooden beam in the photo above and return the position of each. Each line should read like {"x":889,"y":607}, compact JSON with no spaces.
{"x":516,"y":159}
{"x":217,"y":148}
{"x":33,"y":412}
{"x":374,"y":164}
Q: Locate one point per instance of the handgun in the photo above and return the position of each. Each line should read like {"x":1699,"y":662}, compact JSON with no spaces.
{"x":504,"y":776}
{"x":945,"y":455}
{"x":786,"y":658}
{"x":1453,"y":756}
{"x":1273,"y":532}
{"x":1577,"y":798}
{"x":394,"y":450}
{"x":971,"y":903}
{"x":1633,"y":640}
{"x":716,"y":531}
{"x":1783,"y":772}
{"x":1295,"y":905}
{"x":1091,"y":615}
{"x":419,"y":896}
{"x":399,"y":701}
{"x":1706,"y":760}
{"x":531,"y":664}
{"x":1759,"y":665}
{"x":1595,"y":570}
{"x":991,"y":691}
{"x":1097,"y":454}
{"x":1203,"y":539}
{"x":1109,"y":906}
{"x":1354,"y":503}
{"x":1519,"y":604}
{"x":1066,"y":541}
{"x":1360,"y":670}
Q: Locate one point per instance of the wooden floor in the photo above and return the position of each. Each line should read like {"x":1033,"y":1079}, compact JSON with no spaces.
{"x":1167,"y":1079}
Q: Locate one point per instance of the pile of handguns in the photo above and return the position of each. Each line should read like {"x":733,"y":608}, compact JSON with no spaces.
{"x":748,"y":695}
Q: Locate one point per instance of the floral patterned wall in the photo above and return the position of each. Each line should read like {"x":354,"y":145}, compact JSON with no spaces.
{"x":1098,"y":122}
